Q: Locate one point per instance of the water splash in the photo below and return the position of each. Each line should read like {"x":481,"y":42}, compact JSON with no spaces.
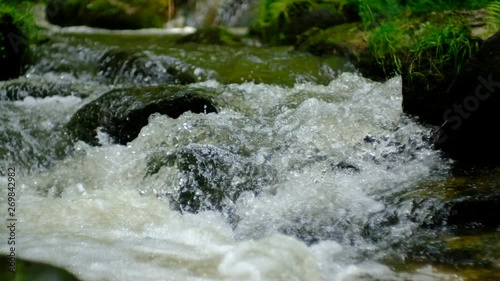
{"x":335,"y":153}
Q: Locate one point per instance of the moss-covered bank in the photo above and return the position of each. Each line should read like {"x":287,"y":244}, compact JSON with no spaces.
{"x":25,"y":270}
{"x":382,"y":38}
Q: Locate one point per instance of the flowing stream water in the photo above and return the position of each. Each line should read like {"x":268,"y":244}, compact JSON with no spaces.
{"x":337,"y":164}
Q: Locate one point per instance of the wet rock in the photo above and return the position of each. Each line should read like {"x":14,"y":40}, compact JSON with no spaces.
{"x":121,"y":113}
{"x":110,"y":14}
{"x":18,"y":89}
{"x":14,"y":47}
{"x":471,"y":108}
{"x":120,"y":66}
{"x":399,"y":213}
{"x":456,"y":204}
{"x":212,"y":177}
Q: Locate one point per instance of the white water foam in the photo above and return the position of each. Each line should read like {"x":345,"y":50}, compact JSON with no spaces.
{"x":100,"y":216}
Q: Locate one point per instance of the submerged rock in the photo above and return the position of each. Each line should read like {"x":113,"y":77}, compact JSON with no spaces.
{"x":212,"y":177}
{"x":121,"y":113}
{"x":111,"y":14}
{"x":471,"y":108}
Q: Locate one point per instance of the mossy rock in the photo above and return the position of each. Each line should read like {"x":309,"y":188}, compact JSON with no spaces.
{"x":26,"y":270}
{"x":14,"y":46}
{"x":281,"y":22}
{"x":211,"y":35}
{"x":461,"y":233}
{"x":118,"y":66}
{"x":467,"y":200}
{"x":348,"y":40}
{"x":213,"y":177}
{"x":110,"y":14}
{"x":123,"y":112}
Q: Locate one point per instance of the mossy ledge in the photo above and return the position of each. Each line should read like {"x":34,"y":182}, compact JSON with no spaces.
{"x":419,"y":39}
{"x":121,"y":113}
{"x":109,"y":14}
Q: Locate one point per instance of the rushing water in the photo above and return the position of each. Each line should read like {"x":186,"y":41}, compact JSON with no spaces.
{"x":331,"y":153}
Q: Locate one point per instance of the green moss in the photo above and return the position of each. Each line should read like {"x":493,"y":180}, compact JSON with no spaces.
{"x":441,"y":49}
{"x":392,"y":37}
{"x":388,"y":43}
{"x":373,"y":13}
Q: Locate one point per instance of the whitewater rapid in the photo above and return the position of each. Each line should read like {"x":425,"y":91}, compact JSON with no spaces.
{"x":335,"y":151}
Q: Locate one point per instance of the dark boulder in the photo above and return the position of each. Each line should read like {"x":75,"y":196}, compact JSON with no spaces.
{"x":123,"y":112}
{"x":471,"y":109}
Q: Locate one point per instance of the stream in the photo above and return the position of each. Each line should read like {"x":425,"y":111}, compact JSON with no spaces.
{"x":344,"y":186}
